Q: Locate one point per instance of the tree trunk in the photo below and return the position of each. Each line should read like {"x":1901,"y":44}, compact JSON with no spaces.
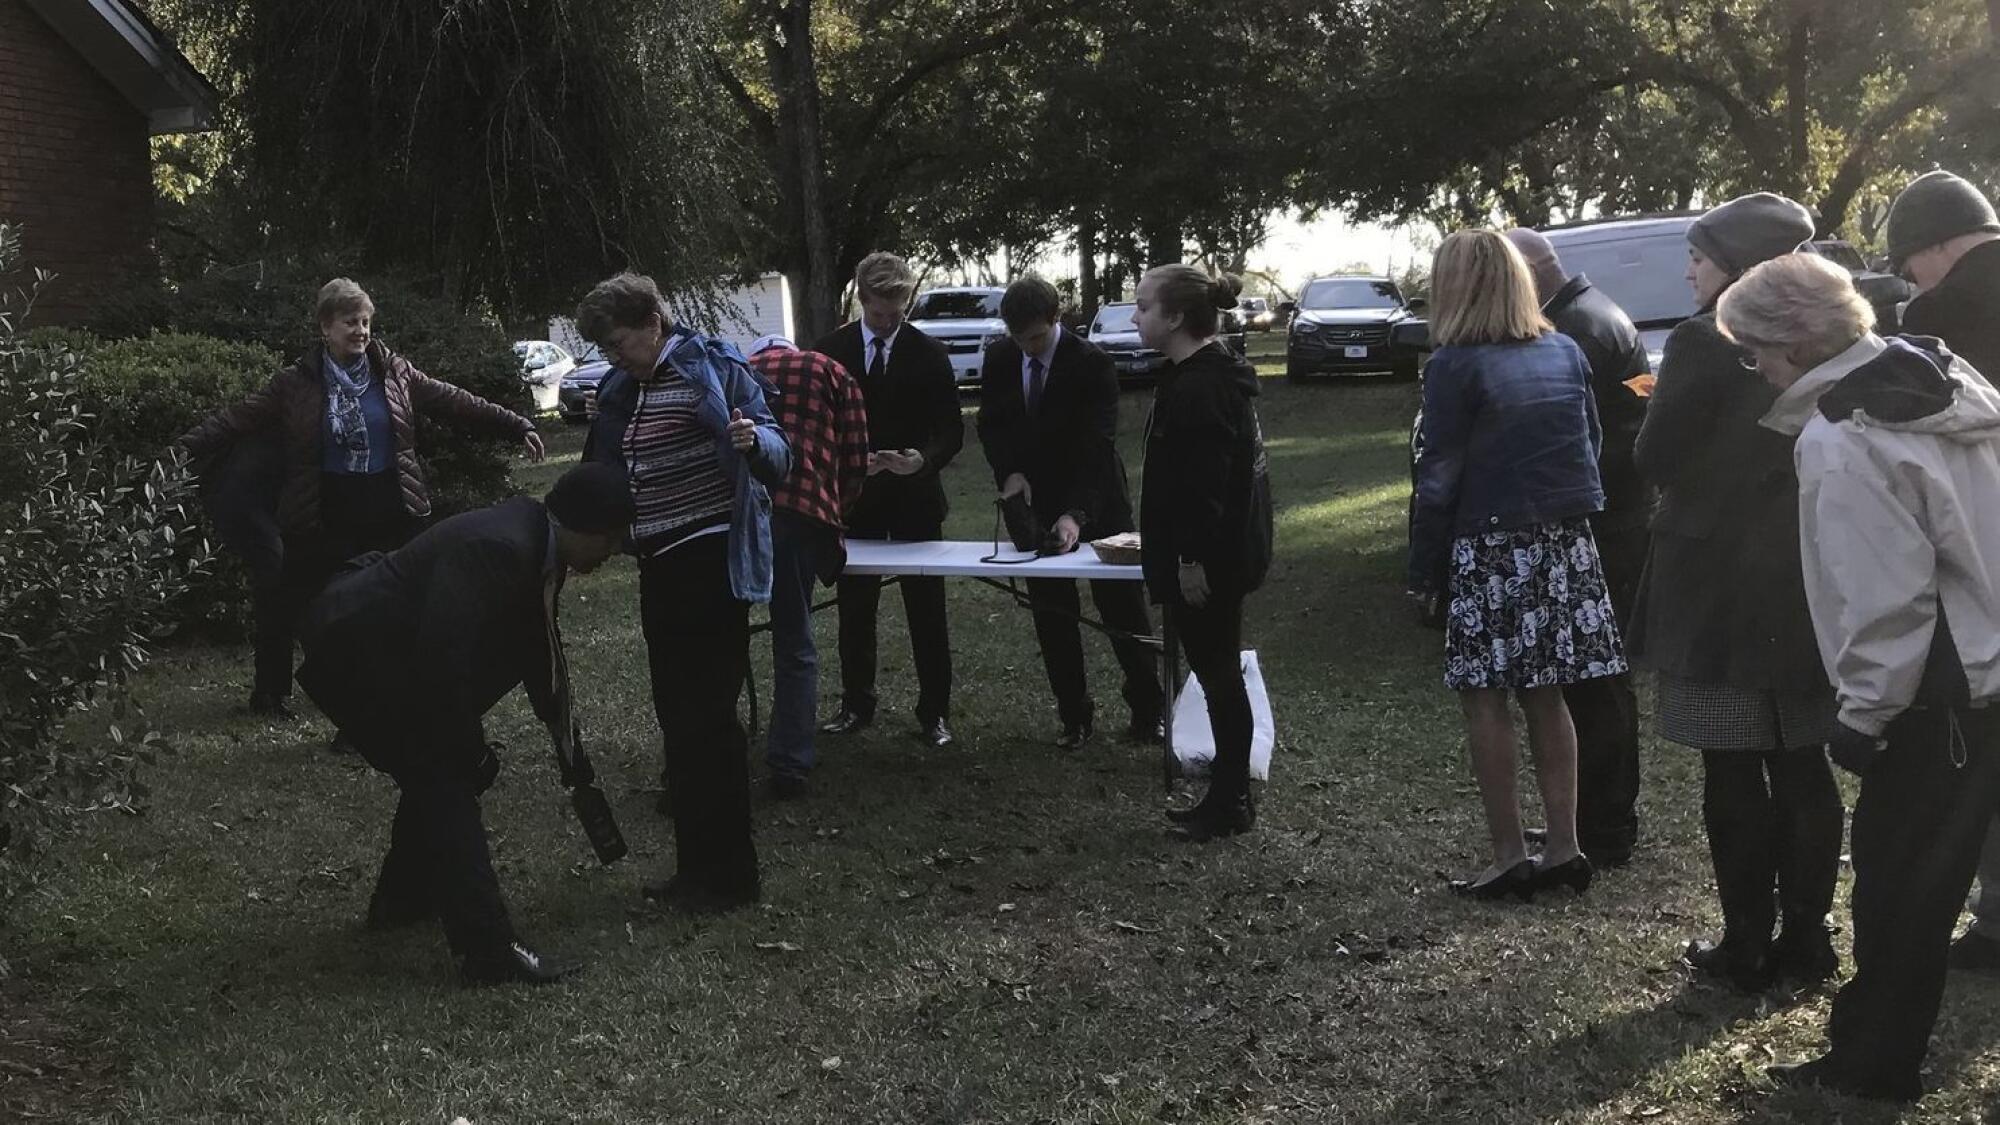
{"x":1087,"y":295}
{"x":817,"y":294}
{"x":1165,"y":243}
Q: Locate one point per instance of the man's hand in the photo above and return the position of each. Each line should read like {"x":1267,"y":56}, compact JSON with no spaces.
{"x":533,"y":442}
{"x":1854,"y":751}
{"x":1194,"y":585}
{"x":1017,"y":485}
{"x":742,"y":432}
{"x":1066,"y":533}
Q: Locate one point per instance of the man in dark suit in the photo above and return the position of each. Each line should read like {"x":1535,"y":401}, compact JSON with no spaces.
{"x":1048,"y":420}
{"x":406,"y":651}
{"x":914,"y":430}
{"x":1605,"y":710}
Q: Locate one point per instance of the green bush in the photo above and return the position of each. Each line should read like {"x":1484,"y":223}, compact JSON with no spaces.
{"x":95,"y":546}
{"x":147,"y":392}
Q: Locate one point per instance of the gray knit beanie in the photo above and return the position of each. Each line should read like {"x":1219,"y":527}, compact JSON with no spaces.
{"x":1936,"y":207}
{"x":1750,"y":230}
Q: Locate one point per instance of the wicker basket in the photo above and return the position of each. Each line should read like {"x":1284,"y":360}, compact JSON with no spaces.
{"x":1117,"y":550}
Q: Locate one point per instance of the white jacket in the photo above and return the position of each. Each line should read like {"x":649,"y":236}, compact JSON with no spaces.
{"x":1896,"y":518}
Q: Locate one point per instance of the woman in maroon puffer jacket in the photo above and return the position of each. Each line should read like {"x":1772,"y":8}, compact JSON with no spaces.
{"x":345,"y":419}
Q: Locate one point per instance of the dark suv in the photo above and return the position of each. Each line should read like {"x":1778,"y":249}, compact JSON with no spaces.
{"x":1344,"y":325}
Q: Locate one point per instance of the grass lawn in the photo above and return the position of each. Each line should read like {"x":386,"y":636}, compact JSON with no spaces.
{"x":995,"y":933}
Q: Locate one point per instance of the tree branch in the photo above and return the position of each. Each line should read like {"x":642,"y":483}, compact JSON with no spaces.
{"x":753,"y":110}
{"x":961,"y":50}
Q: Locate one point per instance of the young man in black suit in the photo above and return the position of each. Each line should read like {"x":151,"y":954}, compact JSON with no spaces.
{"x":406,"y":651}
{"x":914,"y":430}
{"x":1048,"y":420}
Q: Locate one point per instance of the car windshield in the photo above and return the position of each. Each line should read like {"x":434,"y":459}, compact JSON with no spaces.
{"x":957,"y":306}
{"x":1114,"y":318}
{"x":1646,"y":275}
{"x":1350,"y":293}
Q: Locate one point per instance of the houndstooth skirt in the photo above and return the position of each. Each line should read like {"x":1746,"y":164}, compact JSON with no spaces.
{"x":1705,"y":716}
{"x":1529,"y":608}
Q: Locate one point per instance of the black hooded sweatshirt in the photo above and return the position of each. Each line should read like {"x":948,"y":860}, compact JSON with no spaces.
{"x":1207,"y":487}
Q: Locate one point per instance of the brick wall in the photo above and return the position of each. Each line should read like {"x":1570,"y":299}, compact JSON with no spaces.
{"x":75,"y":168}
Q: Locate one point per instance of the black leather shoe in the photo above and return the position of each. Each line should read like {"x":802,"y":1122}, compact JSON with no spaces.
{"x":1213,"y":816}
{"x":1824,"y":1073}
{"x":847,"y":722}
{"x":1975,"y":953}
{"x":1517,"y":881}
{"x":1075,"y":735}
{"x":683,"y":894}
{"x":272,"y":707}
{"x":1147,"y":732}
{"x":1805,"y":957}
{"x":937,"y":734}
{"x":516,"y":964}
{"x":1573,"y":873}
{"x":1749,"y":970}
{"x":787,"y":787}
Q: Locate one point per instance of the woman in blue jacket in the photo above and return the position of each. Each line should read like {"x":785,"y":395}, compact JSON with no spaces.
{"x":685,"y":418}
{"x":1507,"y":479}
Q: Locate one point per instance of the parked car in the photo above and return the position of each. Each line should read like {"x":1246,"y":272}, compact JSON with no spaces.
{"x":1257,"y":313}
{"x":1344,"y":325}
{"x":1112,"y":330}
{"x":543,"y":365}
{"x":966,"y":321}
{"x":1885,"y":291}
{"x":578,"y":400}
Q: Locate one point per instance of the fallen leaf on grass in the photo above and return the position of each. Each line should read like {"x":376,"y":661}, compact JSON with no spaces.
{"x":831,"y":1062}
{"x":1134,"y":928}
{"x":780,"y":947}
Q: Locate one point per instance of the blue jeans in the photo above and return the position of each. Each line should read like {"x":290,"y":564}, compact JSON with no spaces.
{"x":796,"y":545}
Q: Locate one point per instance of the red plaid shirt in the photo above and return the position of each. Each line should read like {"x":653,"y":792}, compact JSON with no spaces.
{"x":819,"y":406}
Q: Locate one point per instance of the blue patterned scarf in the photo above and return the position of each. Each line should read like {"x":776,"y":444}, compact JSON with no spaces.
{"x":346,"y":426}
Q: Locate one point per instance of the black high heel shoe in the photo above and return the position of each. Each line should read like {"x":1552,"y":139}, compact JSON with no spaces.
{"x":1573,"y":873}
{"x":1518,"y":880}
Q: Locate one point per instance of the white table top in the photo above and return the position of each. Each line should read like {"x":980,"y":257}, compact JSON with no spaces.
{"x":956,"y":558}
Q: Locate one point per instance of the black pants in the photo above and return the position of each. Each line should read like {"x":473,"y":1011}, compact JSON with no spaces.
{"x":1606,"y":714}
{"x":1773,"y":823}
{"x":358,"y":514}
{"x":930,"y":636}
{"x":1917,"y":830}
{"x":1122,"y":606}
{"x":438,"y":860}
{"x":1212,"y":639}
{"x":698,"y":649}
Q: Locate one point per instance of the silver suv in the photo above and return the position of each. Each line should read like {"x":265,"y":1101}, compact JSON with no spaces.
{"x":966,"y":321}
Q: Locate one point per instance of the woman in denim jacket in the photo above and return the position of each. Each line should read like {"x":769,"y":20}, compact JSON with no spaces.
{"x":685,"y":418}
{"x":1505,"y":486}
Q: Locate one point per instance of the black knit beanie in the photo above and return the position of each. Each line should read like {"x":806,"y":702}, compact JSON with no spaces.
{"x":1936,"y":207}
{"x":1751,"y":230}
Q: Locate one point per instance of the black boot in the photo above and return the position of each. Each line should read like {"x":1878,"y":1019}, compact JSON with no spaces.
{"x":1220,"y":812}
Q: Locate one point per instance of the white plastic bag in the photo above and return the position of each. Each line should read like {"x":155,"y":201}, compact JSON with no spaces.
{"x":1194,"y":739}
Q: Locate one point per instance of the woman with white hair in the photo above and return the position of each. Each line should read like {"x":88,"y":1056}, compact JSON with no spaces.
{"x":1898,"y":454}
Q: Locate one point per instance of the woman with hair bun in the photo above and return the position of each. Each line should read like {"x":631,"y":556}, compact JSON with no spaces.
{"x":1505,"y":486}
{"x":1205,"y":516}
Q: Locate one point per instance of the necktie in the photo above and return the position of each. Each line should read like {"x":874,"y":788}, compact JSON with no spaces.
{"x":878,"y":362}
{"x":564,"y":725}
{"x":1035,"y":380}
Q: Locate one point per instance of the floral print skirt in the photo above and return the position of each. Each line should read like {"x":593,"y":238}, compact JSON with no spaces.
{"x":1529,"y":608}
